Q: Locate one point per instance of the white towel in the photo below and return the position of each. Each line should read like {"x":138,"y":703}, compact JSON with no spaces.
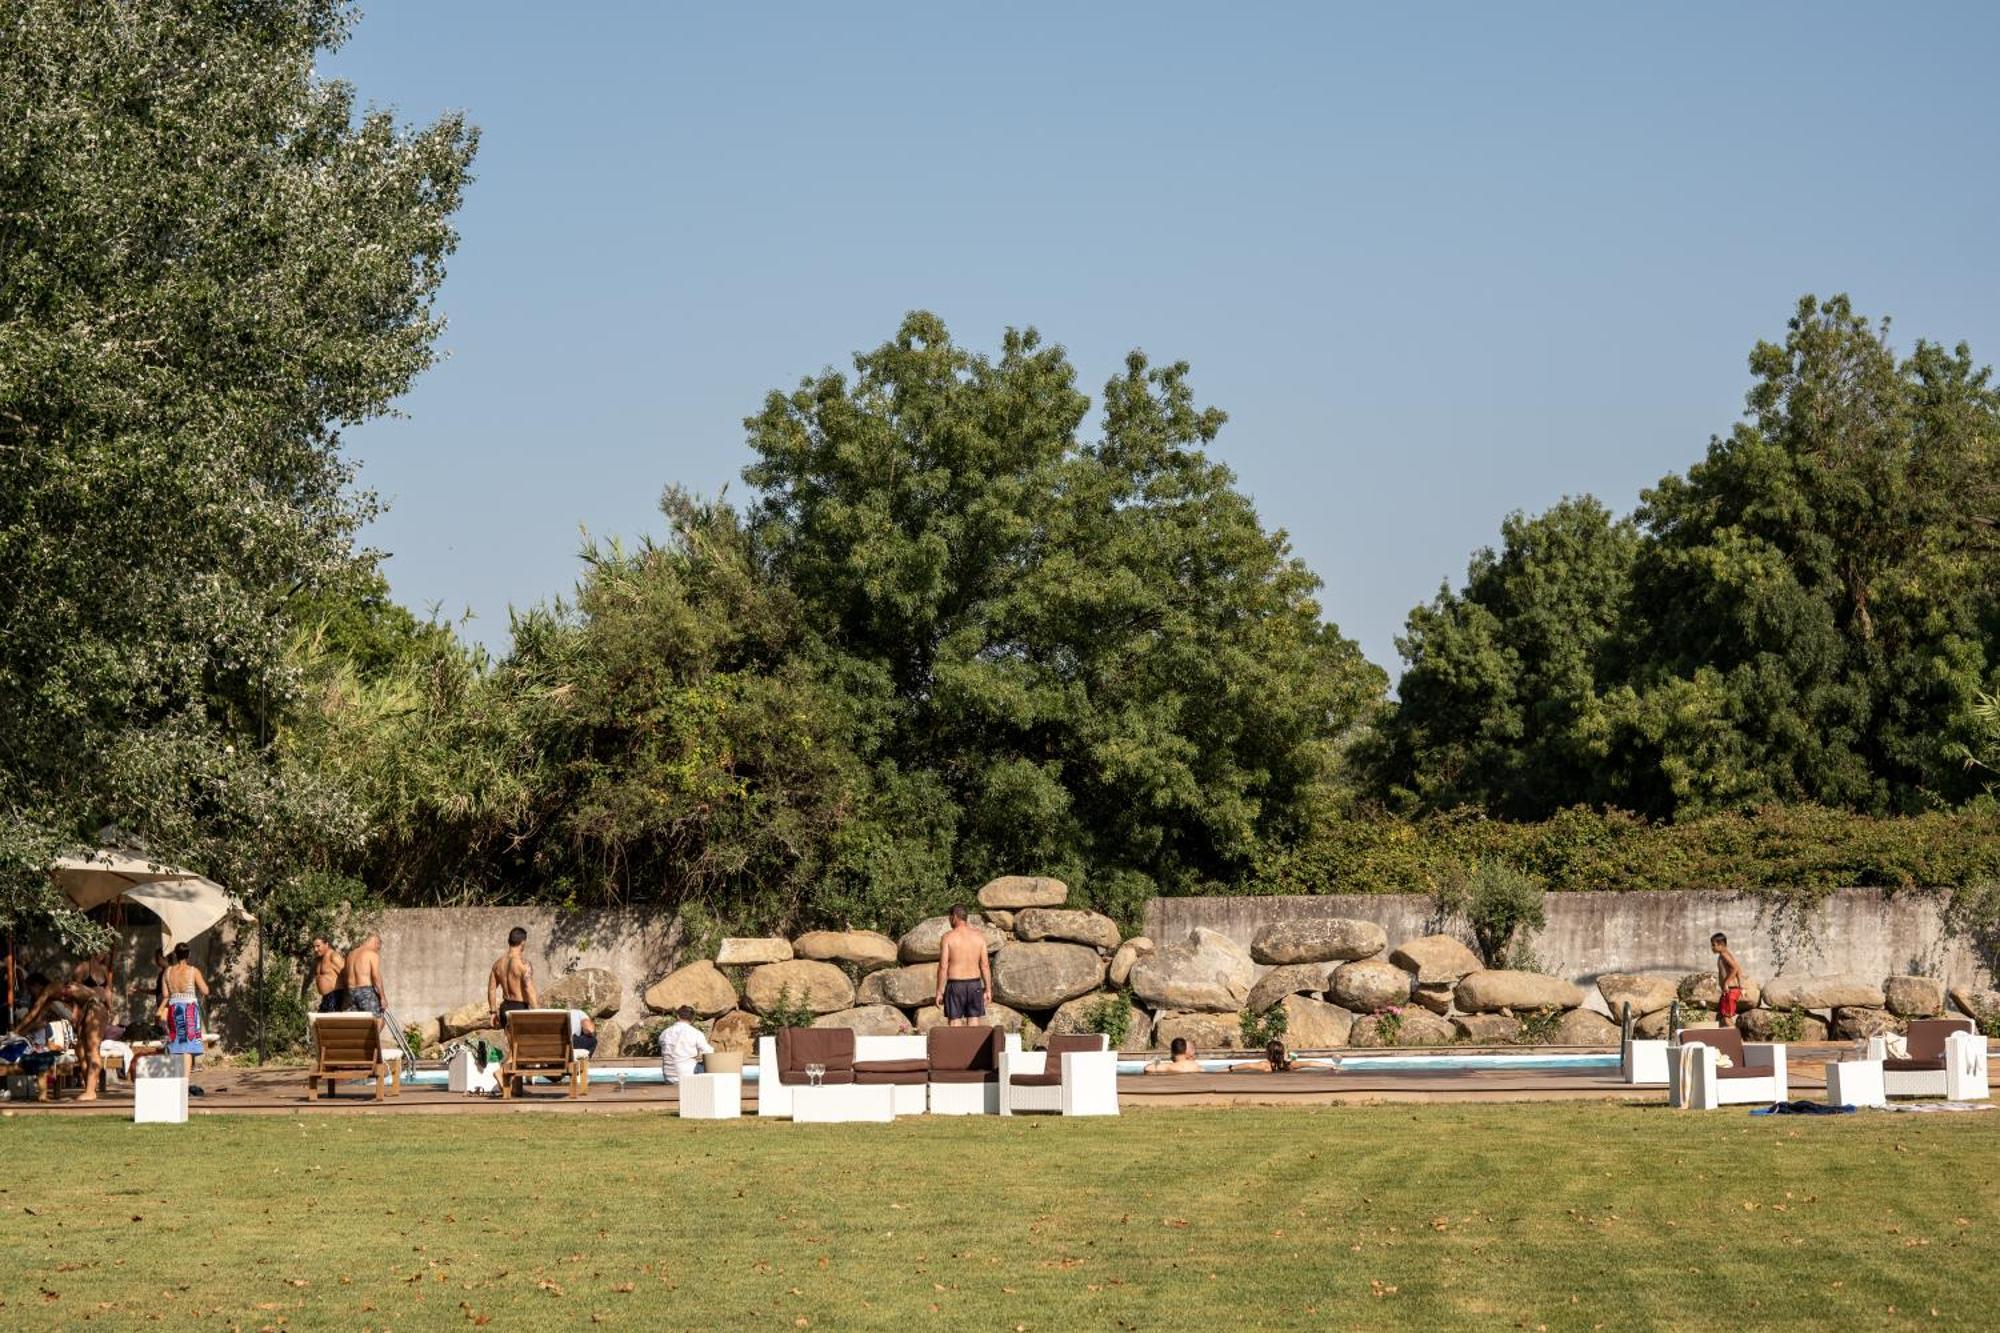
{"x":1895,"y":1046}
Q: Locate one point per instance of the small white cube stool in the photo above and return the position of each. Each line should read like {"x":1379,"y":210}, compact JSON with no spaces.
{"x":1855,"y":1083}
{"x":835,"y":1103}
{"x":711,"y":1096}
{"x":160,"y":1091}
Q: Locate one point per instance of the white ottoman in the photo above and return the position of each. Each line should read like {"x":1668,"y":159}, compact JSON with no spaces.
{"x":160,"y":1091}
{"x":711,"y":1096}
{"x":1855,"y":1083}
{"x":1645,"y":1061}
{"x":837,"y":1102}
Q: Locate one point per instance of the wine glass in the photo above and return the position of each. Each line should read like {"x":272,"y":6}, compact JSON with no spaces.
{"x":814,"y":1073}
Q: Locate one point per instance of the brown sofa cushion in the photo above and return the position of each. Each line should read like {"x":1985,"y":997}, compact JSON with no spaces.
{"x":973,"y":1050}
{"x":799,"y":1047}
{"x":1927,"y":1036}
{"x":1729,"y":1042}
{"x":892,"y":1066}
{"x":863,"y":1073}
{"x":1058,"y":1046}
{"x":1895,"y":1066}
{"x":1747,"y":1071}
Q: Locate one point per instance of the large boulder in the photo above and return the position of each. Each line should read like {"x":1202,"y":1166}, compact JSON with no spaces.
{"x":1000,"y":919}
{"x":1583,"y":1027}
{"x":997,"y":1015}
{"x":1487,"y":1029}
{"x":1437,"y":998}
{"x":820,"y":987}
{"x":1074,"y":1016}
{"x":1369,"y":985}
{"x":700,"y":985}
{"x":1975,"y":1002}
{"x":1436,"y":959}
{"x":1042,"y":976}
{"x":1653,"y":1027}
{"x":1291,"y":979}
{"x":610,"y":1036}
{"x":1411,"y":1027}
{"x":906,"y":986}
{"x":734,"y":1031}
{"x":1762,"y":1024}
{"x":1646,"y":994}
{"x":1315,"y":1025}
{"x":924,"y":941}
{"x":641,"y":1039}
{"x":1203,"y":1031}
{"x":1851,"y":1023}
{"x":1018,"y":891}
{"x":1489,"y":992}
{"x":869,"y":1020}
{"x":595,"y":990}
{"x":1703,"y":991}
{"x":1207,"y":971}
{"x":1056,"y":923}
{"x":866,"y":949}
{"x":1128,"y":956}
{"x":1913,"y":997}
{"x":747,"y":951}
{"x":1331,"y":939}
{"x":1841,"y":990}
{"x":466,"y":1018}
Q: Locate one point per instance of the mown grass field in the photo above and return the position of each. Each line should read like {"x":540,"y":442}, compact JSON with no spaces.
{"x":1569,"y":1216}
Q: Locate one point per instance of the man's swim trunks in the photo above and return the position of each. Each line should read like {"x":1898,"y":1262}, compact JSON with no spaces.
{"x":1726,"y":1009}
{"x":965,"y":998}
{"x":365,"y":999}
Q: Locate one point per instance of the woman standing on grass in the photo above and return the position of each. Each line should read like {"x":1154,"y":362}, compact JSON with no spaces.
{"x":180,"y":1015}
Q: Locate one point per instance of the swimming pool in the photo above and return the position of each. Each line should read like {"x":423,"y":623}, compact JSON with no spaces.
{"x":613,"y":1075}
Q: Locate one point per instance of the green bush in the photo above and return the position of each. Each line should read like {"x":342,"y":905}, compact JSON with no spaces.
{"x":786,"y":1013}
{"x":1504,"y":908}
{"x":1539,"y":1028}
{"x":1259,"y":1029}
{"x":1112,"y":1016}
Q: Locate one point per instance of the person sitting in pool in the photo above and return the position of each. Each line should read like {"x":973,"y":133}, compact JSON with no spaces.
{"x":1180,"y":1060}
{"x":1278,"y":1060}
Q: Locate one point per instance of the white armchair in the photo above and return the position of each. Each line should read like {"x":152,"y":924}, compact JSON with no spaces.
{"x":1696,"y":1079}
{"x":1082,"y":1081}
{"x":1947,"y":1058}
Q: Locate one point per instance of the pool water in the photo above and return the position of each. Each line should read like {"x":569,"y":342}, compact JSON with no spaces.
{"x":1354,"y":1064}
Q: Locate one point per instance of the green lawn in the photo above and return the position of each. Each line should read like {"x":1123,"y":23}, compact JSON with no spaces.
{"x":1565,"y":1215}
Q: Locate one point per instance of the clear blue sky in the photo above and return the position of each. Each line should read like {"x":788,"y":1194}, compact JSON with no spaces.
{"x":1437,"y":262}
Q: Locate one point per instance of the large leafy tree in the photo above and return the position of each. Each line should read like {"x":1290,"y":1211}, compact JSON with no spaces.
{"x":210,"y":262}
{"x":1811,"y":613}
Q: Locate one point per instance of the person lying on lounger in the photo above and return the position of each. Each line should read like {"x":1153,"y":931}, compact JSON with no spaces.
{"x":1180,"y":1060}
{"x":1278,"y":1060}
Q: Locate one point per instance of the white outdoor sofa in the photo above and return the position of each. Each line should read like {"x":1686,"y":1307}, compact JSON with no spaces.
{"x":1947,"y":1058}
{"x":1077,"y":1074}
{"x":901,"y":1064}
{"x":1696,"y":1079}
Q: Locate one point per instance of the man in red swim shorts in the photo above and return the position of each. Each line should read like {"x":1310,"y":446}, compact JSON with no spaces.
{"x":1728,"y":977}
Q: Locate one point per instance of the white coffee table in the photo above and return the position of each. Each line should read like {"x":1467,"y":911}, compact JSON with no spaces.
{"x":1645,"y":1061}
{"x":711,"y":1096}
{"x":1855,"y":1083}
{"x":833,"y":1103}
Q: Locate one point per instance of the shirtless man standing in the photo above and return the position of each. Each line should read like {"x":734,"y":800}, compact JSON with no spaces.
{"x":361,"y":977}
{"x":89,"y":1007}
{"x":1728,"y":980}
{"x":511,"y":983}
{"x":964,"y":976}
{"x":328,"y":964}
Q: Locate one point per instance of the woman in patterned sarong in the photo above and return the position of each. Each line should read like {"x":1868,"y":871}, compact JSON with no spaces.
{"x":180,"y":1015}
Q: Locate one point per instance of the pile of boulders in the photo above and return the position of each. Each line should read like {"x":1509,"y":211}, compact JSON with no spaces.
{"x":1335,"y":979}
{"x":1832,"y":1006}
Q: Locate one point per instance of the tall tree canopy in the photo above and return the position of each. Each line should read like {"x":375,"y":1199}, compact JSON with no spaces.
{"x":210,"y":262}
{"x":1809,"y":614}
{"x":949,"y":637}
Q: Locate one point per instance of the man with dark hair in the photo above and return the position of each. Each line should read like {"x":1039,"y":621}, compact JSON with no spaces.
{"x":1180,"y":1060}
{"x":964,"y":976}
{"x":1728,"y":980}
{"x":681,"y":1045}
{"x":328,"y":964}
{"x":511,"y":983}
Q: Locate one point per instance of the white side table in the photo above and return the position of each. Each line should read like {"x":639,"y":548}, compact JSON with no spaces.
{"x":711,"y":1096}
{"x":1645,"y":1061}
{"x":160,"y":1091}
{"x":1855,"y":1083}
{"x":833,"y":1103}
{"x":1090,"y":1083}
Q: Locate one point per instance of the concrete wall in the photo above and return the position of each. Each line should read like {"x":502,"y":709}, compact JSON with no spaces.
{"x":1855,"y":930}
{"x":435,"y":959}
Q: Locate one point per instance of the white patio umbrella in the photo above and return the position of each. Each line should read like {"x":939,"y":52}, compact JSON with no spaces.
{"x":186,"y":903}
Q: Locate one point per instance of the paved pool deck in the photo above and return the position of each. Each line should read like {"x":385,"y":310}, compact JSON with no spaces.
{"x":282,"y":1090}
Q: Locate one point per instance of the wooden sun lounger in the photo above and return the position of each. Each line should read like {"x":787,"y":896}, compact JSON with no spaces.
{"x":538,"y":1044}
{"x":349,"y":1047}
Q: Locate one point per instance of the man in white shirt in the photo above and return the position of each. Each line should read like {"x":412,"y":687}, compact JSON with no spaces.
{"x":681,"y":1045}
{"x":583,"y":1032}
